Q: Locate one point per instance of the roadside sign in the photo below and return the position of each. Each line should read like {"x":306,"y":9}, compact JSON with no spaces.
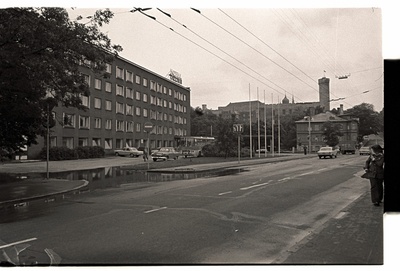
{"x":148,"y":126}
{"x":237,"y":128}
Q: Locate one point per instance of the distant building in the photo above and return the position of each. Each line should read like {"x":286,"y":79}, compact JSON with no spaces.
{"x":348,"y":126}
{"x":119,"y":106}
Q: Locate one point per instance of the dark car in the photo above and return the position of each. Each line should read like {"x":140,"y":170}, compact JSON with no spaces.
{"x":165,"y":153}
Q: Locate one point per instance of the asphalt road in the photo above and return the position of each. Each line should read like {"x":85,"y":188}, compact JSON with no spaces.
{"x":253,"y":217}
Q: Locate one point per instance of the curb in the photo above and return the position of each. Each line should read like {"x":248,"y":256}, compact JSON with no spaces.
{"x":18,"y":201}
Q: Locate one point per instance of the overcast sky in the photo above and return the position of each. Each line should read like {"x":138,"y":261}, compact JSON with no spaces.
{"x":228,"y":49}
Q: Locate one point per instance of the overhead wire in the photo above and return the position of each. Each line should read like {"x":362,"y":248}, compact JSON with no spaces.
{"x":186,"y":27}
{"x":199,"y":12}
{"x":210,"y":52}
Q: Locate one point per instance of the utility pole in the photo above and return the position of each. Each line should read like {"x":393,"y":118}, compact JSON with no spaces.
{"x":265,"y":127}
{"x":272,"y":126}
{"x":251,"y":136}
{"x":258,"y":125}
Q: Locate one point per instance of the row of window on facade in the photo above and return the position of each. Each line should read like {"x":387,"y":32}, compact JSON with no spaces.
{"x":154,"y":86}
{"x":347,"y":137}
{"x":127,"y":109}
{"x":108,"y":142}
{"x":120,"y":125}
{"x":318,"y":127}
{"x":129,"y":94}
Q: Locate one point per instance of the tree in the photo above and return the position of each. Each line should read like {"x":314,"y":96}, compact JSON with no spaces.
{"x":225,"y":138}
{"x":203,"y":123}
{"x":331,"y":133}
{"x":288,"y":128}
{"x":41,"y":51}
{"x":371,"y":122}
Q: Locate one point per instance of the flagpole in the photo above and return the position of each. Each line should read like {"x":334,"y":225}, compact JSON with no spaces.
{"x":265,"y":127}
{"x":272,"y":126}
{"x":258,"y":125}
{"x":279,"y":128}
{"x":251,"y":136}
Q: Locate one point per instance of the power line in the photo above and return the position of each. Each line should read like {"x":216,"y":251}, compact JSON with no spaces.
{"x":266,"y":44}
{"x":198,"y":11}
{"x":186,"y":27}
{"x":151,"y":17}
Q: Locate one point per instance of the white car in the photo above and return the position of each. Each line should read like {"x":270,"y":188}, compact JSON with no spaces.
{"x":364,"y":151}
{"x":327,"y":151}
{"x":128,"y":151}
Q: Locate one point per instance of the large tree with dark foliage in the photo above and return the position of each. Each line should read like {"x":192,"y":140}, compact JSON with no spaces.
{"x":41,"y":50}
{"x":371,"y":122}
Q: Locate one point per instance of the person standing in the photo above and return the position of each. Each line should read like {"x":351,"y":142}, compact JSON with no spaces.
{"x":375,"y":167}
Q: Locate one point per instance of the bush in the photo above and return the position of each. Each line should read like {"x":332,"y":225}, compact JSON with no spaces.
{"x":64,"y":153}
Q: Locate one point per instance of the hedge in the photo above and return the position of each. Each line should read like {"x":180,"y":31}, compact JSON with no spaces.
{"x":64,"y":153}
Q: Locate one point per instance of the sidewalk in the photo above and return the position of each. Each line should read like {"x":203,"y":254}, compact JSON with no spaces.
{"x":354,"y":236}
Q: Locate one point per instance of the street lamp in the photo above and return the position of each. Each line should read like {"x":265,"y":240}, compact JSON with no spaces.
{"x":309,"y":132}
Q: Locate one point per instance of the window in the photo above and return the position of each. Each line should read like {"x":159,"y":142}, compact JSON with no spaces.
{"x":108,"y":68}
{"x":138,"y":127}
{"x":129,"y":109}
{"x":68,"y":142}
{"x":108,"y":87}
{"x":119,"y":108}
{"x":129,"y":142}
{"x":119,"y":73}
{"x":108,"y":124}
{"x":97,"y":84}
{"x":152,"y":99}
{"x":165,"y":90}
{"x":84,"y":122}
{"x":97,"y":103}
{"x":170,"y":105}
{"x":108,"y":105}
{"x":53,"y":141}
{"x":153,"y":115}
{"x":138,"y":111}
{"x":170,"y":118}
{"x":120,"y":90}
{"x":152,"y":85}
{"x":129,"y":93}
{"x":97,"y":123}
{"x":108,"y":143}
{"x":184,"y":97}
{"x":165,"y":117}
{"x":69,"y":120}
{"x":159,"y":103}
{"x":144,"y":82}
{"x":145,"y":112}
{"x":138,"y":95}
{"x":129,"y":76}
{"x":87,"y":79}
{"x":85,"y":101}
{"x":129,"y":126}
{"x":119,"y":125}
{"x":170,"y":92}
{"x":118,"y":143}
{"x":165,"y":103}
{"x":145,"y":97}
{"x":137,"y":79}
{"x":96,"y":142}
{"x":184,"y":109}
{"x":82,"y":142}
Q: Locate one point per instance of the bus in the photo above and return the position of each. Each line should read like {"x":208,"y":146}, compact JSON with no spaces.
{"x":191,"y":146}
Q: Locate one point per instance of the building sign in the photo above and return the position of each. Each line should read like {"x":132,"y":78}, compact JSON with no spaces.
{"x":175,"y":76}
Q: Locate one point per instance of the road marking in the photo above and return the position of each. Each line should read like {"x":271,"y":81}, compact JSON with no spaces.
{"x":154,"y":210}
{"x":307,"y":173}
{"x":284,"y":179}
{"x":224,"y":193}
{"x":253,"y":186}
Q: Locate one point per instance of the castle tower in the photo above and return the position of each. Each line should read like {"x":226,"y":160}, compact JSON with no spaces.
{"x":324,"y":93}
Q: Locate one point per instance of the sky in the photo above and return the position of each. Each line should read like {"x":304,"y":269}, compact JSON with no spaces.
{"x":232,"y":53}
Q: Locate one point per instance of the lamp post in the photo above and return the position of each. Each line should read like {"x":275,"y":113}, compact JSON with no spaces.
{"x":309,"y":133}
{"x":148,"y":127}
{"x":48,"y":141}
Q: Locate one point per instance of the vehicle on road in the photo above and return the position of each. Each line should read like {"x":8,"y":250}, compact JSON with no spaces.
{"x":128,"y":151}
{"x":348,"y":148}
{"x":192,"y":146}
{"x":261,"y":151}
{"x":364,"y":151}
{"x":165,"y":153}
{"x":327,"y":152}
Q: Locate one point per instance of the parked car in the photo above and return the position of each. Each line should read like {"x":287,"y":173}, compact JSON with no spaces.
{"x":364,"y":151}
{"x":128,"y":151}
{"x":327,"y":151}
{"x":165,"y":153}
{"x":261,"y":151}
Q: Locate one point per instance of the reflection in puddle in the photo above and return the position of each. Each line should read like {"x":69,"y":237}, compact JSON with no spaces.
{"x":98,"y":179}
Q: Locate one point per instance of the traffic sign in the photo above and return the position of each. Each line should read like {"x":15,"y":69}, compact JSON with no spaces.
{"x":148,"y":126}
{"x":237,"y":128}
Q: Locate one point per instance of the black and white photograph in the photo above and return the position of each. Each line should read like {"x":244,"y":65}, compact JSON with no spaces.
{"x":206,"y":134}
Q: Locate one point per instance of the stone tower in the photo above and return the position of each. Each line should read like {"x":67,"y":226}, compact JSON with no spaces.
{"x":324,"y":93}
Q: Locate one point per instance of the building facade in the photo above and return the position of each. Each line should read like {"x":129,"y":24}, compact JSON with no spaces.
{"x":311,"y":131}
{"x":119,"y":106}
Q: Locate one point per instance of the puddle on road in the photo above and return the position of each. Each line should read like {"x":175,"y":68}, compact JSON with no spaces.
{"x":99,"y":179}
